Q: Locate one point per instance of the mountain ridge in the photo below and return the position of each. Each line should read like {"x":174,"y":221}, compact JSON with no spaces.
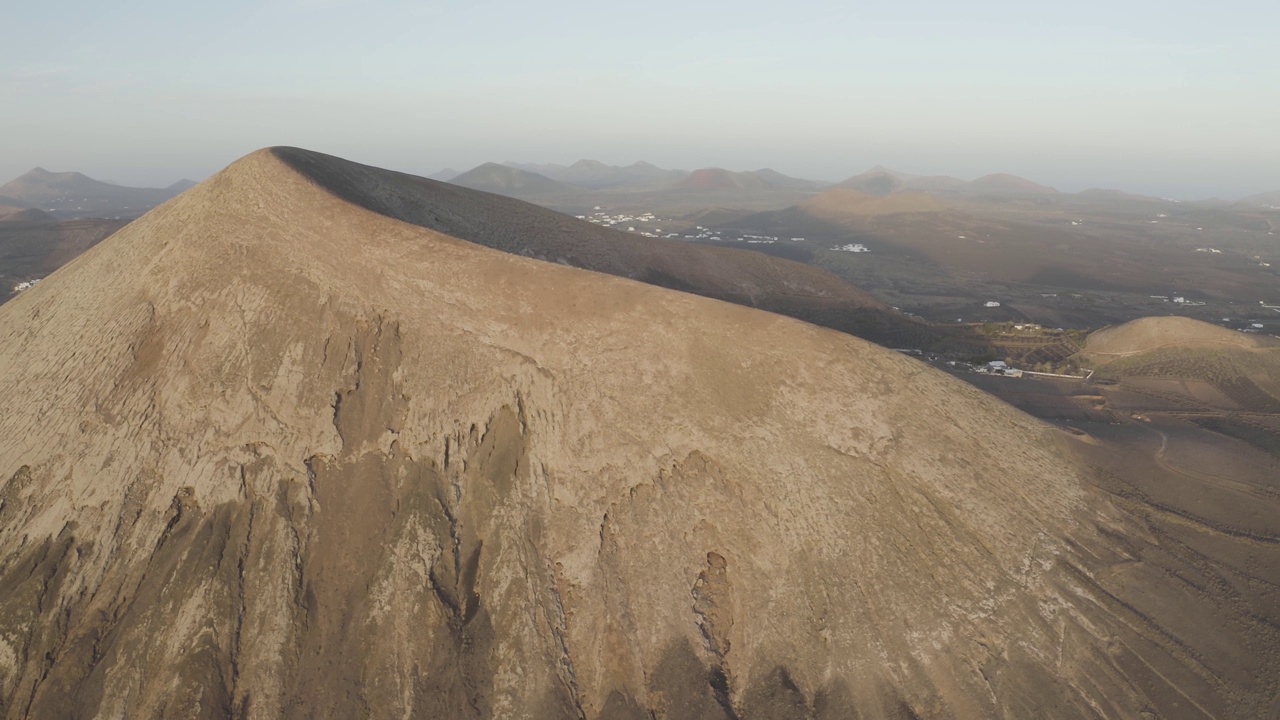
{"x":74,"y":194}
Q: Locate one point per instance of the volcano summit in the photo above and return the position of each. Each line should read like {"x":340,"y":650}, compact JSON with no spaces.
{"x":275,"y":450}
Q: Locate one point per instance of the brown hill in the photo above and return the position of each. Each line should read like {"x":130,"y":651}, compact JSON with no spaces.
{"x":1002,"y":183}
{"x":268,"y":453}
{"x":1244,"y":368}
{"x":720,"y":179}
{"x":511,"y":181}
{"x":72,"y":194}
{"x":1268,"y":199}
{"x":1152,"y":333}
{"x":778,"y":180}
{"x":876,"y":181}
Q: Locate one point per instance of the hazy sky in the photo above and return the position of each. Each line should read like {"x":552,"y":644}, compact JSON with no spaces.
{"x":1172,"y":97}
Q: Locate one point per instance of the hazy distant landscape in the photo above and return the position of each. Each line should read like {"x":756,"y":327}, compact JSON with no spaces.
{"x":938,"y":248}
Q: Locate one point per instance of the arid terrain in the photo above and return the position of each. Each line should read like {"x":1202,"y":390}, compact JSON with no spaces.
{"x":942,"y":248}
{"x":34,"y":244}
{"x":320,"y":440}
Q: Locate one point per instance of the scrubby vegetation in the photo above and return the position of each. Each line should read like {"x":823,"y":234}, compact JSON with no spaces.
{"x":1250,"y":378}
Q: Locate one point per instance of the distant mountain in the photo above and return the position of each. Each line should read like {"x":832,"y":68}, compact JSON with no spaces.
{"x":445,"y":175}
{"x":73,"y":194}
{"x":1115,"y":195}
{"x":41,"y":186}
{"x":1271,"y":199}
{"x":721,"y":179}
{"x":511,"y":181}
{"x":778,"y":180}
{"x":934,"y":183}
{"x":12,"y":202}
{"x":876,"y":181}
{"x":1005,"y":184}
{"x":594,"y":174}
{"x":551,"y":170}
{"x":181,"y":186}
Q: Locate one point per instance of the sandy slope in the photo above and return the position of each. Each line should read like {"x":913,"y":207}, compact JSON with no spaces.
{"x":269,"y":453}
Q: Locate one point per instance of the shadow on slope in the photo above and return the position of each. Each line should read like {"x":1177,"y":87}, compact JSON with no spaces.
{"x":739,"y":276}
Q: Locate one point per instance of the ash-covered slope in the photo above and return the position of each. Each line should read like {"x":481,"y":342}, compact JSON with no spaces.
{"x":739,"y":276}
{"x":266,"y":453}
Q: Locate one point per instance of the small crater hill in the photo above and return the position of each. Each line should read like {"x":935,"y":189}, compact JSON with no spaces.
{"x":28,"y":215}
{"x":270,"y":452}
{"x":1244,"y":367}
{"x":1153,"y":333}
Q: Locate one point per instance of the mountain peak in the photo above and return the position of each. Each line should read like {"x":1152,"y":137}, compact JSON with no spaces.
{"x":1004,"y":182}
{"x":340,"y":461}
{"x":509,"y":180}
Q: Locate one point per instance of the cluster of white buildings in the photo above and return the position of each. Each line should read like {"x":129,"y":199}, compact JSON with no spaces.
{"x":1178,"y":299}
{"x":600,"y":217}
{"x":998,"y":367}
{"x":715,"y":236}
{"x":1215,"y":251}
{"x":25,"y":286}
{"x":851,"y":247}
{"x":622,"y":221}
